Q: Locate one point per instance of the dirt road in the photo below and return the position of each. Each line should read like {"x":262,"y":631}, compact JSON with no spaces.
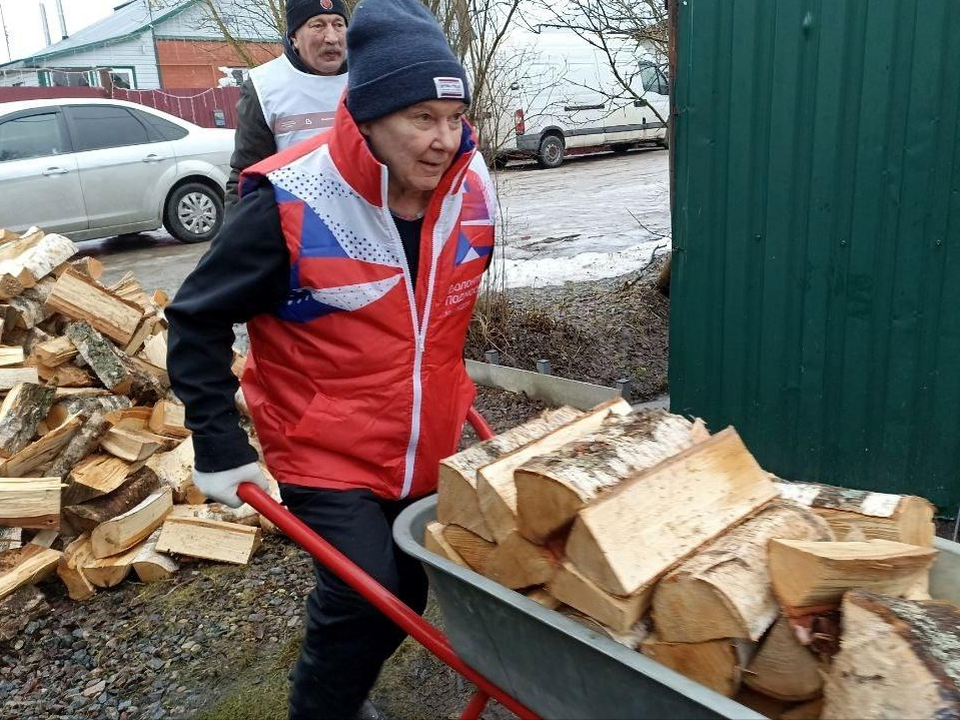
{"x":594,"y":217}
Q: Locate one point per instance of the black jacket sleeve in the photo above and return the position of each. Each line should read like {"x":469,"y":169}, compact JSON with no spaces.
{"x":253,"y":140}
{"x":245,"y":273}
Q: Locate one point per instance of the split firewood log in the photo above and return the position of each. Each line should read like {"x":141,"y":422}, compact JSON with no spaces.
{"x":168,"y":419}
{"x":457,"y":502}
{"x":131,"y":444}
{"x":55,"y":352}
{"x":102,"y":356}
{"x":717,"y":664}
{"x":95,"y":475}
{"x":518,"y":563}
{"x":30,"y":503}
{"x":570,"y":587}
{"x":131,"y":527}
{"x":150,"y":565}
{"x":11,"y":377}
{"x":551,"y":489}
{"x":40,"y":454}
{"x":496,"y":489}
{"x":70,"y":568}
{"x":80,"y":446}
{"x":80,"y":298}
{"x":435,"y":541}
{"x":110,"y":571}
{"x":865,"y":515}
{"x":543,"y":597}
{"x":724,"y":590}
{"x":470,"y":546}
{"x":898,"y":659}
{"x":27,"y":565}
{"x":175,"y":468}
{"x":11,"y":356}
{"x":209,"y":540}
{"x":631,"y":639}
{"x":85,"y":405}
{"x":628,"y":538}
{"x":783,"y":668}
{"x":24,"y":407}
{"x":243,"y":515}
{"x":816,"y":574}
{"x":86,"y":516}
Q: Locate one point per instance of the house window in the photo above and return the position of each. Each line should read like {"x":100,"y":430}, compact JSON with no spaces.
{"x":68,"y":77}
{"x":122,"y":78}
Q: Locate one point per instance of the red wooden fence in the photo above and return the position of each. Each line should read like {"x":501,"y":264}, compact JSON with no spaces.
{"x":194,"y":104}
{"x":12,"y":94}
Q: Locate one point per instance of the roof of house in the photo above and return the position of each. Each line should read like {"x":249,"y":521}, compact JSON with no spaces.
{"x":127,"y":20}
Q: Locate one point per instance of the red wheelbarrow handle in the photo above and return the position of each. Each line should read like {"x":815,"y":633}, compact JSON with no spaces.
{"x":410,"y":622}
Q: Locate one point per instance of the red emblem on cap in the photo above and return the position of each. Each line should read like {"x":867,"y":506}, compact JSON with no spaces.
{"x":326,"y":4}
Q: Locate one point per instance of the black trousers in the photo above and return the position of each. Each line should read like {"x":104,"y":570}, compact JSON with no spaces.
{"x":347,"y":639}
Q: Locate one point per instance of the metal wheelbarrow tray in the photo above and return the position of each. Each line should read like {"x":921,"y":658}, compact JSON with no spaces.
{"x":561,"y":669}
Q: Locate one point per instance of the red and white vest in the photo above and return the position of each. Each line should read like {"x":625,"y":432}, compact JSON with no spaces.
{"x":358,"y":380}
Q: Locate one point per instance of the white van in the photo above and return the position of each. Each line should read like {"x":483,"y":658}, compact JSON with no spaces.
{"x":555,"y":93}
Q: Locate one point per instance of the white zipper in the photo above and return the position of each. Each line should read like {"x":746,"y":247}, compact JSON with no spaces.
{"x":419,"y":329}
{"x":418,"y":342}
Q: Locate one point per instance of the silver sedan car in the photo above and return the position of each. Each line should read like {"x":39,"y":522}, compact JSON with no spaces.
{"x":90,"y":168}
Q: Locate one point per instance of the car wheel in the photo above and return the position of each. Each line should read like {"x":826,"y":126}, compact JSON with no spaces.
{"x":551,"y":152}
{"x":194,"y":213}
{"x":620,"y":149}
{"x":500,"y":162}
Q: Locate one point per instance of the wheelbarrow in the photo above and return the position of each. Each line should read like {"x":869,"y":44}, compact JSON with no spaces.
{"x":535,"y":661}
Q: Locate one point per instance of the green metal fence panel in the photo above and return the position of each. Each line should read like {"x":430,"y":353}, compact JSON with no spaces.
{"x":816,"y":231}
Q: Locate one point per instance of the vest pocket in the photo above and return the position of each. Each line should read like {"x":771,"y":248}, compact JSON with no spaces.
{"x":358,"y":427}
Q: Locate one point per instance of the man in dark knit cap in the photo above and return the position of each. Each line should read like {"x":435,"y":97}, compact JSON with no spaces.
{"x":355,"y":259}
{"x":294,"y":96}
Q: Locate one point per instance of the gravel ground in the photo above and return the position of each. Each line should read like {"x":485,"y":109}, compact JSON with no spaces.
{"x":214,"y":643}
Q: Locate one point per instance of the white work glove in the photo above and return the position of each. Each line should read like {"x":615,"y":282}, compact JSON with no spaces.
{"x":222,"y":486}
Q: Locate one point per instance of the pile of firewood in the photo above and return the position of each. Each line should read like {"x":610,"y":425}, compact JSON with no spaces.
{"x":678,"y":544}
{"x":95,"y":461}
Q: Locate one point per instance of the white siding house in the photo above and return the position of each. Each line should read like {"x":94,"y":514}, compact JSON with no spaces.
{"x":125,"y":42}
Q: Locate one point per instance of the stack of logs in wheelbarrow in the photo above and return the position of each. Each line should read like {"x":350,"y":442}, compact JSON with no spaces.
{"x":798,"y":600}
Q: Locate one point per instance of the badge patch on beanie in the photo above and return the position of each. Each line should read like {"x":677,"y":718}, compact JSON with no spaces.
{"x":449,"y":88}
{"x":326,"y":4}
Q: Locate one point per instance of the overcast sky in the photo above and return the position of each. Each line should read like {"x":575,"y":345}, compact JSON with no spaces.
{"x":22,"y":20}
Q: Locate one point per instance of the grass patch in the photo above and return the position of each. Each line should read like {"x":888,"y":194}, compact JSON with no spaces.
{"x":265,"y":700}
{"x":261,"y":693}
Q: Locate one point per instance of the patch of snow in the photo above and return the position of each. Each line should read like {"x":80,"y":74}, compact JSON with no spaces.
{"x":592,"y":218}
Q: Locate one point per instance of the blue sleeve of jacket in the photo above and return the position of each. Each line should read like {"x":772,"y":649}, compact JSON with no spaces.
{"x":245,"y":273}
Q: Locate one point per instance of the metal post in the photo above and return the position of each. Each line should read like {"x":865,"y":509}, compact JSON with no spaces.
{"x":492,"y":357}
{"x":543,"y":367}
{"x":625,"y":386}
{"x":6,"y":34}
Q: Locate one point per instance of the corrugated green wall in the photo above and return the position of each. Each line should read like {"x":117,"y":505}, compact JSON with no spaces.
{"x":816,"y":219}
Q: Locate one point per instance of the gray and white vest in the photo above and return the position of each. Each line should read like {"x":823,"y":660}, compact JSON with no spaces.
{"x":296,"y":105}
